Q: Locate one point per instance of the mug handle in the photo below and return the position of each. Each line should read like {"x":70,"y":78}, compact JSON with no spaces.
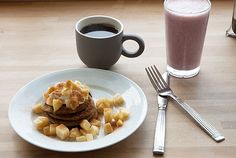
{"x":137,"y":39}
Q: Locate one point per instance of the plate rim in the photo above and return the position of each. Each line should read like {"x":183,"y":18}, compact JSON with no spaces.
{"x":142,"y":119}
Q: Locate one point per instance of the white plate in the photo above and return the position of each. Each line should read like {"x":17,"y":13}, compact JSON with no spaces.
{"x":102,"y":83}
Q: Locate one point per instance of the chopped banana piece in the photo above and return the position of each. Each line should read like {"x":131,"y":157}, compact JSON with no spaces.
{"x":66,"y":92}
{"x":124,"y":113}
{"x":69,"y":84}
{"x":52,"y":129}
{"x":62,"y":131}
{"x":108,"y":116}
{"x":45,"y":96}
{"x":46,"y":130}
{"x":74,"y":132}
{"x":108,"y":128}
{"x":37,"y":108}
{"x":94,"y":130}
{"x":81,"y":139}
{"x":119,"y":123}
{"x":85,"y":125}
{"x":74,"y":86}
{"x":57,"y":104}
{"x":40,"y":122}
{"x":89,"y":137}
{"x":99,"y":109}
{"x":118,"y":100}
{"x":85,"y":92}
{"x":83,"y":132}
{"x":95,"y":122}
{"x":51,"y":89}
{"x":116,"y":116}
{"x":49,"y":101}
{"x":103,"y":103}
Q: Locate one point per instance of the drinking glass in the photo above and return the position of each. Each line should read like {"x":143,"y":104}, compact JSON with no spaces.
{"x":231,"y":31}
{"x":186,"y":25}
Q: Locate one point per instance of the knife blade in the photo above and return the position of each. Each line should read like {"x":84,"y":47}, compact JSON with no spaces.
{"x":159,"y":139}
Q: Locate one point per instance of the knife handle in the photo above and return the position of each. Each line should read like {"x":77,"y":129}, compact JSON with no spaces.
{"x":159,"y":138}
{"x":208,"y":128}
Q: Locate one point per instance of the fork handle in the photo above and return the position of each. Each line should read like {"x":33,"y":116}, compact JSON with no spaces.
{"x":209,"y":129}
{"x":159,"y":139}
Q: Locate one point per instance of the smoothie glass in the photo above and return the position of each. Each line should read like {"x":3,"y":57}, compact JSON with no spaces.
{"x":186,"y":24}
{"x":231,"y":31}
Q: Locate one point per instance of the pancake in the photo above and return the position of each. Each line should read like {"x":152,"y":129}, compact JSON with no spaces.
{"x":64,"y":110}
{"x":69,"y":117}
{"x":69,"y":123}
{"x":90,"y":110}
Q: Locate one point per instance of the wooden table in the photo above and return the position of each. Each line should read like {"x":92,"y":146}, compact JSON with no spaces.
{"x":38,"y":37}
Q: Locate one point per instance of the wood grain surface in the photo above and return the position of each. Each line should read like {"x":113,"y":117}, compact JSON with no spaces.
{"x":39,"y":37}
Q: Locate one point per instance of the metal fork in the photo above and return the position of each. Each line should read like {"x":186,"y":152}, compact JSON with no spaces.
{"x":164,"y":90}
{"x":159,"y":136}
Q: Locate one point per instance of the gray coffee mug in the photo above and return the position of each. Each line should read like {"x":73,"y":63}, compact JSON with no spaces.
{"x":104,"y":51}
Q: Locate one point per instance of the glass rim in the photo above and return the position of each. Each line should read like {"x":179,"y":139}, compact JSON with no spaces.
{"x":186,"y":14}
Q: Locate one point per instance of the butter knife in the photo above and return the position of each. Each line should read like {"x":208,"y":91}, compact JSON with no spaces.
{"x":159,"y":139}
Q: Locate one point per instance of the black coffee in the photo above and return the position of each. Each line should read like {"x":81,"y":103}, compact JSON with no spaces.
{"x":99,"y":30}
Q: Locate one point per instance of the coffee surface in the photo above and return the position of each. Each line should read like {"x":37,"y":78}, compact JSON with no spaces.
{"x":99,"y":30}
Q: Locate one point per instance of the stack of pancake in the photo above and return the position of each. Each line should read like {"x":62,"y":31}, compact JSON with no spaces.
{"x":69,"y":117}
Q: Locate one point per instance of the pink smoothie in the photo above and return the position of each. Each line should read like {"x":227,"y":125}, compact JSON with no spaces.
{"x":186,"y":24}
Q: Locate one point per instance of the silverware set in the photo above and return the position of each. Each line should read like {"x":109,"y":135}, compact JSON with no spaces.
{"x":160,"y":84}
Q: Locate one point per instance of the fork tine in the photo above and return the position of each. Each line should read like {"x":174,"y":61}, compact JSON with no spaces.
{"x":152,"y":81}
{"x":160,"y":77}
{"x":154,"y":78}
{"x":157,"y":78}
